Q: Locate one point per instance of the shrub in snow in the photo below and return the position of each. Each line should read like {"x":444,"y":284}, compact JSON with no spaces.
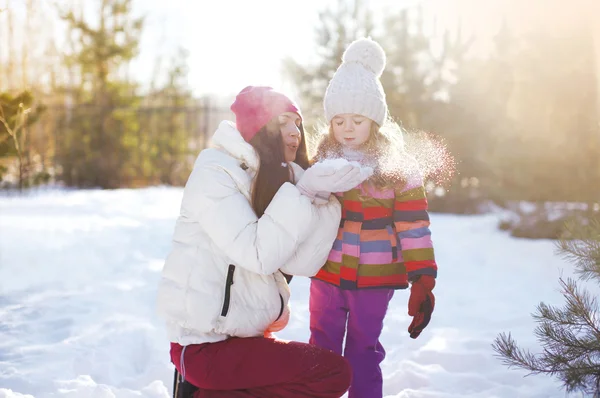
{"x":570,"y":335}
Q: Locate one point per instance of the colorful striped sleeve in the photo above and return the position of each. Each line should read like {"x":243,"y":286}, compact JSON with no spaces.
{"x":414,"y":237}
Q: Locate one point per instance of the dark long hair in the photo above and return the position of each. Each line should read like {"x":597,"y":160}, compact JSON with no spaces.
{"x":272,"y":173}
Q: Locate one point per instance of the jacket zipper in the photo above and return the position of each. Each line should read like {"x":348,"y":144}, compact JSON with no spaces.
{"x":282,"y":304}
{"x":281,"y":310}
{"x":228,"y":283}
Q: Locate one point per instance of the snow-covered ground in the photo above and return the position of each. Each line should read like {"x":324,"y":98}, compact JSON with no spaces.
{"x":78,"y":278}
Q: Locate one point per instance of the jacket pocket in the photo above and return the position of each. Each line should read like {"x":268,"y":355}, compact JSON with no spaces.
{"x":228,"y":283}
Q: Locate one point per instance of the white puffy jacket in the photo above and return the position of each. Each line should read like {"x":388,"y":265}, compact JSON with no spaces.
{"x":222,"y":277}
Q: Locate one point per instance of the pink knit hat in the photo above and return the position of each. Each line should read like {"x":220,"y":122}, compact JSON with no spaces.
{"x":254,"y":106}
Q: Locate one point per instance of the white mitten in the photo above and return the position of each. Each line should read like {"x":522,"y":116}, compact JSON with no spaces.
{"x":322,"y":198}
{"x":351,"y":180}
{"x":323,"y":178}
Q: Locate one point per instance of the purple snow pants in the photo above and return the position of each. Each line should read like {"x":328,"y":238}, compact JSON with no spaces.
{"x":359,"y":315}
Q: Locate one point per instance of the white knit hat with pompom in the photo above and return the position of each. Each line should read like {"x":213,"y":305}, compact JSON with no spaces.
{"x":355,"y":86}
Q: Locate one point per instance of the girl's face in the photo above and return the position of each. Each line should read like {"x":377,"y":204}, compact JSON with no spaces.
{"x":351,"y":130}
{"x":289,"y":125}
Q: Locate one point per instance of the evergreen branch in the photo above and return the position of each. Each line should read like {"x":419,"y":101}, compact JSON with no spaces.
{"x":583,"y":249}
{"x":574,"y":374}
{"x":581,"y":304}
{"x":570,"y":337}
{"x":513,"y":356}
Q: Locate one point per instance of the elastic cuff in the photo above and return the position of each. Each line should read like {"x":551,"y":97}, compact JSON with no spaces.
{"x":323,"y":195}
{"x":304,"y":192}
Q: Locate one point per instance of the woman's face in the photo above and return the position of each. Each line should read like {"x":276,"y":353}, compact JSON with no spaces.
{"x":289,"y":125}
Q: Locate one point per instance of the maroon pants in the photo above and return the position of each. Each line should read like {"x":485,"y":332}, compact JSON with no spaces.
{"x":262,"y":367}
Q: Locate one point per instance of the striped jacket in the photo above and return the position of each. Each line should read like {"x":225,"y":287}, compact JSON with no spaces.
{"x":383,"y":240}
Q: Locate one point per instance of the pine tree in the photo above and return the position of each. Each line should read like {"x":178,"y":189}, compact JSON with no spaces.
{"x":570,"y":336}
{"x":103,"y":133}
{"x":167,"y":156}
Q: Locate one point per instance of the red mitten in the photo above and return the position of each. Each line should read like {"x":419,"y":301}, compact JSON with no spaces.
{"x":421,"y":304}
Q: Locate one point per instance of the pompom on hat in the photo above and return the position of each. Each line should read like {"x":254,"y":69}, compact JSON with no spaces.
{"x":255,"y":106}
{"x":355,"y":86}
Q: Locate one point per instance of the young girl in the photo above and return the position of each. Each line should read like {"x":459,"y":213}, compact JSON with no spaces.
{"x":384,"y":241}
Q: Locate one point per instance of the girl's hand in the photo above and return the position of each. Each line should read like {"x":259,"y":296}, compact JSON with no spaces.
{"x":421,"y":304}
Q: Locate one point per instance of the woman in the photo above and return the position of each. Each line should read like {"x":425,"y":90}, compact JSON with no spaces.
{"x":249,"y":214}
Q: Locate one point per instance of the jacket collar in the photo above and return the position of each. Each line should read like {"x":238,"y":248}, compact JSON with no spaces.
{"x":227,"y":138}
